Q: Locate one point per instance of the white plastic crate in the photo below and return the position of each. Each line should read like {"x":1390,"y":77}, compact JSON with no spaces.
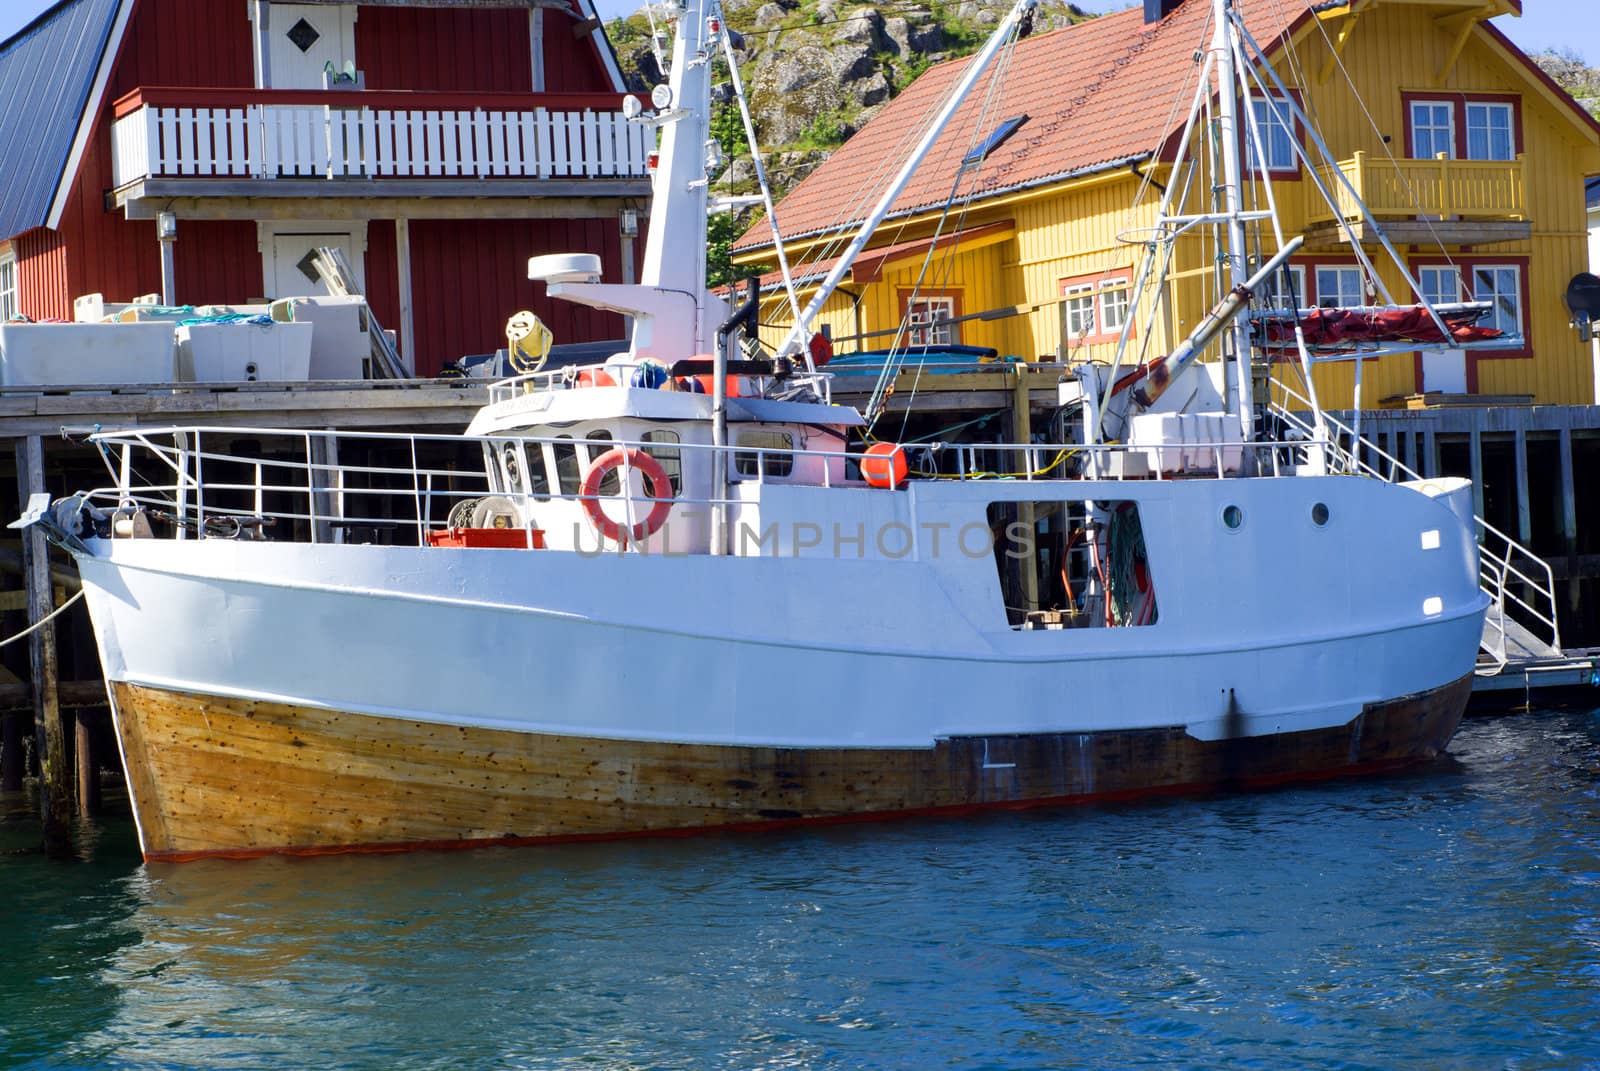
{"x":85,"y":354}
{"x":342,"y":342}
{"x":243,"y":353}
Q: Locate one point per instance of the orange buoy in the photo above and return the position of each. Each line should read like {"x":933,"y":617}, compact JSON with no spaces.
{"x":705,"y":383}
{"x":660,"y":494}
{"x":595,"y":377}
{"x":884,"y":465}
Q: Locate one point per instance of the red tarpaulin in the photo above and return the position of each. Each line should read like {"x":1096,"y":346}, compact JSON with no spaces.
{"x":1349,"y":327}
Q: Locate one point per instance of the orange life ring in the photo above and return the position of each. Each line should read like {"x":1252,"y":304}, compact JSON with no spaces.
{"x":660,"y":491}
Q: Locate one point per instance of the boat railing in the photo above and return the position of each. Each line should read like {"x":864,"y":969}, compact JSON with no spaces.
{"x":1508,"y":572}
{"x":349,"y":486}
{"x":641,"y":374}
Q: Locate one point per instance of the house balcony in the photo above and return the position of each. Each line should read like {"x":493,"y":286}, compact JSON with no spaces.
{"x":1421,"y":202}
{"x":203,"y":145}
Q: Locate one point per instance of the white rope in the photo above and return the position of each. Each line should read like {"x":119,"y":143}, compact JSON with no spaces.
{"x":45,"y":620}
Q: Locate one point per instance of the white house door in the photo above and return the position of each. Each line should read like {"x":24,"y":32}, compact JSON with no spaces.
{"x":286,"y":261}
{"x":302,"y":39}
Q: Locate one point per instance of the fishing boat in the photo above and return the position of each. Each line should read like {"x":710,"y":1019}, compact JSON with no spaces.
{"x":677,"y":591}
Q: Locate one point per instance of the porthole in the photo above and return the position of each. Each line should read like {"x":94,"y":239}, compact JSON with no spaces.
{"x":1232,"y":517}
{"x":1319,"y":514}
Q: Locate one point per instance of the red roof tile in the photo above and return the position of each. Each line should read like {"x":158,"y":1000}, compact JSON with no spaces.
{"x":1097,"y":94}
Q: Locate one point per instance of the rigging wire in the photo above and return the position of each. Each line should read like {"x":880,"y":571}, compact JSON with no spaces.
{"x":885,"y":386}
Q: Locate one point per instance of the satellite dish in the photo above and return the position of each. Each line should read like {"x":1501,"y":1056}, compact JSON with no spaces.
{"x":1583,"y":302}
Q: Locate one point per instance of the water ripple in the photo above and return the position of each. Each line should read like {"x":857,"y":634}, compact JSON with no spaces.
{"x":1445,"y":918}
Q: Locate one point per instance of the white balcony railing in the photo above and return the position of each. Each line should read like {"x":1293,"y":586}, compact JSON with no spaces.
{"x":260,"y":140}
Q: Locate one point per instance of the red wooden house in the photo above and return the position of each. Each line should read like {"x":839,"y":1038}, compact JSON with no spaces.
{"x":441,"y":143}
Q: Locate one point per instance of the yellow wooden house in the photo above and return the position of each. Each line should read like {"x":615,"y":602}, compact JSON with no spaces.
{"x":1470,"y":158}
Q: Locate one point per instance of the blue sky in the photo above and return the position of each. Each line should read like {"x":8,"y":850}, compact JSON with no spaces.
{"x":1544,"y":24}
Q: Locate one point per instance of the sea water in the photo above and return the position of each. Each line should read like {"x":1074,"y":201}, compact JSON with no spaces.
{"x":1446,"y":918}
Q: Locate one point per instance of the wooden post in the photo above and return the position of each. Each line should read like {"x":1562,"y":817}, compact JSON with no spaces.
{"x":1475,"y":459}
{"x":1022,"y":433}
{"x":408,"y":325}
{"x":1569,"y":521}
{"x":1524,"y":512}
{"x":88,"y":771}
{"x":10,"y":753}
{"x":1430,"y":454}
{"x":55,"y":784}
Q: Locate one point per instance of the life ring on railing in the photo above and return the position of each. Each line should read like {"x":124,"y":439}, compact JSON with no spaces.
{"x":659,"y":486}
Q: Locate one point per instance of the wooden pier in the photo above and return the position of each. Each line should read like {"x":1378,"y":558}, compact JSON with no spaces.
{"x":58,"y":679}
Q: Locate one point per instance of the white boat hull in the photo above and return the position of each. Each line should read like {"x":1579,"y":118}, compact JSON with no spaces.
{"x":1288,"y":633}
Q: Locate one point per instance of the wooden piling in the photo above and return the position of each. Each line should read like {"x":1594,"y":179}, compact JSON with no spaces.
{"x":55,"y":786}
{"x":88,"y":771}
{"x":1022,"y":432}
{"x":1524,"y":509}
{"x":10,"y":753}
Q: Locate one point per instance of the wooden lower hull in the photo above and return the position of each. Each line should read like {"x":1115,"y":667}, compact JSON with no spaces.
{"x":218,"y":776}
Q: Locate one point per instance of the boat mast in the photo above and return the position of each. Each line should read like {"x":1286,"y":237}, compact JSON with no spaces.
{"x":675,"y":242}
{"x":1239,"y":401}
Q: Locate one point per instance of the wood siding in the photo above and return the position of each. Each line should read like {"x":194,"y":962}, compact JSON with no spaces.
{"x":469,"y":276}
{"x":572,"y":64}
{"x":185,"y":43}
{"x":435,"y":49}
{"x":212,"y":775}
{"x":1072,"y":230}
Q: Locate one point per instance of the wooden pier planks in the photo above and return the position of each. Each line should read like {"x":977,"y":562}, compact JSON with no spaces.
{"x":213,"y":775}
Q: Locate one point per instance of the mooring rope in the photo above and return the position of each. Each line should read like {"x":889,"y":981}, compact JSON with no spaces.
{"x":45,"y":620}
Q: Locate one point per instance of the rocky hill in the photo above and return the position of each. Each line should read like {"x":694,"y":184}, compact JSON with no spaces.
{"x":816,"y":71}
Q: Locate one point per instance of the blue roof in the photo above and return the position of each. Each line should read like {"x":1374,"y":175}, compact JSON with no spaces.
{"x":47,"y":72}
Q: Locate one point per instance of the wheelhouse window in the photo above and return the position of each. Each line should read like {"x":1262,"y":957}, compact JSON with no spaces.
{"x":1501,"y":286}
{"x":1340,"y":288}
{"x":566,"y":458}
{"x":664,"y":449}
{"x":1272,"y":127}
{"x":8,"y":287}
{"x":751,"y":464}
{"x":1433,"y":129}
{"x":927,"y":321}
{"x":611,"y":482}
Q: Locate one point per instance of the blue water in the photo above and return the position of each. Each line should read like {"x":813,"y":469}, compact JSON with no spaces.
{"x":1447,"y":918}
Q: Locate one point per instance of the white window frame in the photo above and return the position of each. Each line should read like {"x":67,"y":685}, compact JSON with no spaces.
{"x":1272,"y":294}
{"x":1346,"y":273}
{"x":1486,"y":108}
{"x":920,"y":314}
{"x":1495,"y":296}
{"x":1429,"y":277}
{"x":1449,"y":128}
{"x":1114,"y":300}
{"x":10,"y":292}
{"x":1277,"y":132}
{"x":1078,"y":316}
